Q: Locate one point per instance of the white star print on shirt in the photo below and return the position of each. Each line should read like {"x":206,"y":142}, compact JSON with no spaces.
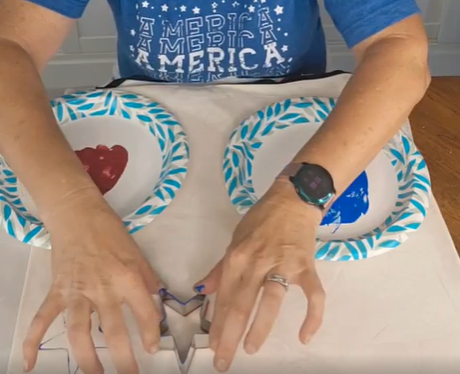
{"x":279,"y":10}
{"x":270,"y":43}
{"x":133,"y":33}
{"x":145,"y":4}
{"x":285,"y":48}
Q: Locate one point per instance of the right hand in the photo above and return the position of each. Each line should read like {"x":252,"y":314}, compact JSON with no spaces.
{"x":96,"y":266}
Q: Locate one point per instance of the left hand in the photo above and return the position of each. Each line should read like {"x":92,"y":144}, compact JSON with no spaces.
{"x":277,"y":236}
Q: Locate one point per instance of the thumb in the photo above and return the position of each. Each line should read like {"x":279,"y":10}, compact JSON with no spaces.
{"x":210,"y":283}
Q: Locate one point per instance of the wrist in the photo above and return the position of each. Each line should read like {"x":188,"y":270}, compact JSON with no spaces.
{"x":284,"y":193}
{"x":76,"y":205}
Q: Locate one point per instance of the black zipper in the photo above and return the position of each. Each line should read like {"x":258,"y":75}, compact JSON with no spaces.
{"x":287,"y":79}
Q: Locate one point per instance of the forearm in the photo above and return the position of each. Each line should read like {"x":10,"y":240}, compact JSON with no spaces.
{"x":390,"y":80}
{"x":30,"y":139}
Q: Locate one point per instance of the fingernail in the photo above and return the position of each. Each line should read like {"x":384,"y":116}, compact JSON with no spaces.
{"x":221,"y":365}
{"x":25,"y":365}
{"x":307,"y":339}
{"x":250,"y":349}
{"x":199,"y":288}
{"x":154,"y":349}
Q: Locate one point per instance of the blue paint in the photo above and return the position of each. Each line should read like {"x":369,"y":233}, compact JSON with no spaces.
{"x":200,"y":288}
{"x":351,"y":205}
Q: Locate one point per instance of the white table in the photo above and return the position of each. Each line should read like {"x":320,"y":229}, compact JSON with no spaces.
{"x":399,"y":310}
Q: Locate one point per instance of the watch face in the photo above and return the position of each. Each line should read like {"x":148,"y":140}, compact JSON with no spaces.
{"x":315,"y":182}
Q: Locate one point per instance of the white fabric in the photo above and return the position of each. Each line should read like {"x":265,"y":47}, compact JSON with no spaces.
{"x":400,"y":310}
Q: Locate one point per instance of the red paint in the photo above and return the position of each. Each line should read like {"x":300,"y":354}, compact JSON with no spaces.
{"x":104,"y":165}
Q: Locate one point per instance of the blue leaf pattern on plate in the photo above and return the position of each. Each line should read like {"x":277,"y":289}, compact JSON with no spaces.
{"x":414,"y":187}
{"x":19,"y":223}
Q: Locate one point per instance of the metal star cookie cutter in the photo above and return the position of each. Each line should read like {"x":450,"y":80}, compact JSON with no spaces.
{"x":184,"y":308}
{"x":206,"y":316}
{"x":200,"y":341}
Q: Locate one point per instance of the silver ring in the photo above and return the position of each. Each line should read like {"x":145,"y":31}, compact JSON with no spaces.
{"x":278,"y":279}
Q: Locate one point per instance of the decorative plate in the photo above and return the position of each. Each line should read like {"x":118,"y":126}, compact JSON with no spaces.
{"x":134,"y":150}
{"x":375,"y":214}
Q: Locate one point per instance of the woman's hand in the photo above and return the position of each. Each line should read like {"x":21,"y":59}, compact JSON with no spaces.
{"x":96,"y":266}
{"x":277,"y":236}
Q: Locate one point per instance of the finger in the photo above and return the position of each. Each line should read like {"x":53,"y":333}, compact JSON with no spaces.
{"x":267,"y":312}
{"x":313,"y":290}
{"x":79,"y":334}
{"x":237,"y":319}
{"x":232,"y":269}
{"x":117,"y":338}
{"x":148,"y":317}
{"x":211,"y":282}
{"x":47,"y":313}
{"x":150,"y":278}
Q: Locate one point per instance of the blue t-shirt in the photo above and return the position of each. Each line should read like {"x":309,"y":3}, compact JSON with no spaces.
{"x":205,"y":40}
